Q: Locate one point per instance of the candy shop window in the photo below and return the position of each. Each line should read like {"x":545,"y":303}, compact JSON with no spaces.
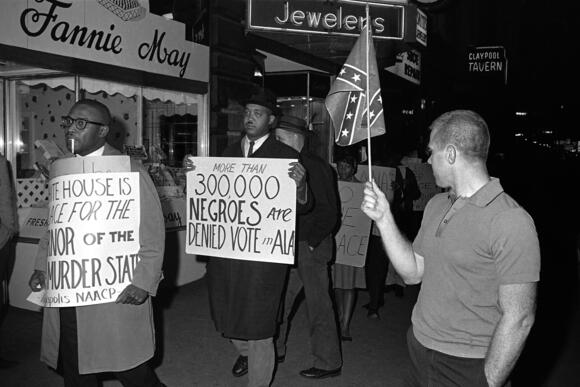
{"x":36,"y":110}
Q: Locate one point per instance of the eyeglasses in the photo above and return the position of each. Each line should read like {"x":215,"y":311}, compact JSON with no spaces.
{"x":80,"y":123}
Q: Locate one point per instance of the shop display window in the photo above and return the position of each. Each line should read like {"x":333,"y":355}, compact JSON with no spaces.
{"x":159,"y":127}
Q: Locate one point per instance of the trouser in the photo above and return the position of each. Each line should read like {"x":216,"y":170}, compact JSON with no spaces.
{"x":312,"y":274}
{"x":140,"y":376}
{"x":376,"y":271}
{"x":6,"y":255}
{"x":430,"y":368}
{"x":261,"y":360}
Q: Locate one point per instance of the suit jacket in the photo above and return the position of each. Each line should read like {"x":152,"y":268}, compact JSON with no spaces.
{"x":115,"y":337}
{"x":245,"y":296}
{"x":322,"y":219}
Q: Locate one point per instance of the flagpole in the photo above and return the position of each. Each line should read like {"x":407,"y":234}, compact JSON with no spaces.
{"x":367,"y":92}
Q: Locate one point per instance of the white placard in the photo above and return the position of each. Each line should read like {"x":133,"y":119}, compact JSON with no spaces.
{"x":93,"y":223}
{"x":352,"y":239}
{"x":384,"y":177}
{"x":241,"y":208}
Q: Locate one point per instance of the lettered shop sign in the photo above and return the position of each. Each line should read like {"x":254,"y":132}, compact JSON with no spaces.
{"x":93,"y":231}
{"x":352,"y":239}
{"x":241,"y":208}
{"x":114,"y":32}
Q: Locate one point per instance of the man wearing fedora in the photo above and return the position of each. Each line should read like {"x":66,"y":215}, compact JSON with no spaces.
{"x":245,"y":296}
{"x":315,"y":250}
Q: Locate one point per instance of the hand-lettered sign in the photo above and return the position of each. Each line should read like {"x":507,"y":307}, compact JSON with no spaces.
{"x":241,"y":208}
{"x":352,"y":239}
{"x":93,"y":238}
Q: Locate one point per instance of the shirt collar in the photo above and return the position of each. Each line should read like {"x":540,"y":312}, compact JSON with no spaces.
{"x":98,"y":152}
{"x":484,"y":195}
{"x":257,"y":143}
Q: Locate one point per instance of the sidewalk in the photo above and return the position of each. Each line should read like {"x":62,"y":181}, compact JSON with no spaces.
{"x":192,"y":353}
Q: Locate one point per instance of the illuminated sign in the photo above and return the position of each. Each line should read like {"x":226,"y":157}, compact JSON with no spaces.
{"x":343,"y":17}
{"x":487,"y":62}
{"x":416,"y":26}
{"x":408,"y":66}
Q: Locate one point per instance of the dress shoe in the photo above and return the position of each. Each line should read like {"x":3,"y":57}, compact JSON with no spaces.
{"x":317,"y":373}
{"x":373,"y":314}
{"x":240,"y":367}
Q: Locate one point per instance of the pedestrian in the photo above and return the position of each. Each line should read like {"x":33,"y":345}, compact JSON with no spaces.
{"x":116,"y":337}
{"x":346,"y":279}
{"x":315,"y":251}
{"x":245,"y":296}
{"x":478,"y":259}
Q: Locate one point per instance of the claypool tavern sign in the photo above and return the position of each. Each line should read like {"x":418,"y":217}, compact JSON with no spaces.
{"x":114,"y":32}
{"x":343,"y":17}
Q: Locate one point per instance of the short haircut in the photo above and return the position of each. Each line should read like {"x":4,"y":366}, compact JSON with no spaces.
{"x":348,"y":159}
{"x":466,"y":130}
{"x":99,"y":107}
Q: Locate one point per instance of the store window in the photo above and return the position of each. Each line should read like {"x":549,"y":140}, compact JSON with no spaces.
{"x":159,"y":127}
{"x":38,"y":107}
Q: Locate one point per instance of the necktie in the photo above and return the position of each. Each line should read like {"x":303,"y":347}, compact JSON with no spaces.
{"x":251,"y":150}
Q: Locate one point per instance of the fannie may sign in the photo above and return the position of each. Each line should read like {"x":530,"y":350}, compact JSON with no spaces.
{"x":114,"y":32}
{"x":343,"y":17}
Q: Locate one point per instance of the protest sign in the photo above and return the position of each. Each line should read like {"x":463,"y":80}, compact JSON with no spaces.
{"x":352,"y":238}
{"x":174,"y":214}
{"x":241,"y":208}
{"x":93,"y":228}
{"x":426,"y":182}
{"x":72,"y":165}
{"x":384,"y":178}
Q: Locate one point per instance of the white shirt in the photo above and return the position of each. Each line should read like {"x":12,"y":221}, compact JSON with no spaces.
{"x":98,"y":152}
{"x":257,"y":144}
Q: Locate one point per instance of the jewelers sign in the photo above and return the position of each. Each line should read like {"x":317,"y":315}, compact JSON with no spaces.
{"x":115,"y":32}
{"x":241,"y":208}
{"x":93,"y":238}
{"x":343,"y":17}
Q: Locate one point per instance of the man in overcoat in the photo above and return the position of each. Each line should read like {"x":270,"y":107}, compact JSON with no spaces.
{"x":116,"y":337}
{"x":245,"y":296}
{"x":315,"y":251}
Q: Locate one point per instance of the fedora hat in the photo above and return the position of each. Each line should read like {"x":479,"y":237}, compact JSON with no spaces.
{"x":293,"y":124}
{"x":265,"y":98}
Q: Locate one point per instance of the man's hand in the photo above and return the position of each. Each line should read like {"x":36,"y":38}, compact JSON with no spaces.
{"x":37,"y":281}
{"x":132,"y":295}
{"x":187,"y":164}
{"x":375,"y":203}
{"x":297,"y":172}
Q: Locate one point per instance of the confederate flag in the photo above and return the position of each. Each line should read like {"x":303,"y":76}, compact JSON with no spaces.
{"x":346,"y":101}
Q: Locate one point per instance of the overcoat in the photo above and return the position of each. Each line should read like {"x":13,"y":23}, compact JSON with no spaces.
{"x":245,"y":296}
{"x":115,"y":337}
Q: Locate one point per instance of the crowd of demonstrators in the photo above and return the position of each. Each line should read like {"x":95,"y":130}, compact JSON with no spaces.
{"x":116,"y":337}
{"x":346,"y":279}
{"x":476,"y":254}
{"x":8,"y":228}
{"x":313,"y":256}
{"x":477,"y":258}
